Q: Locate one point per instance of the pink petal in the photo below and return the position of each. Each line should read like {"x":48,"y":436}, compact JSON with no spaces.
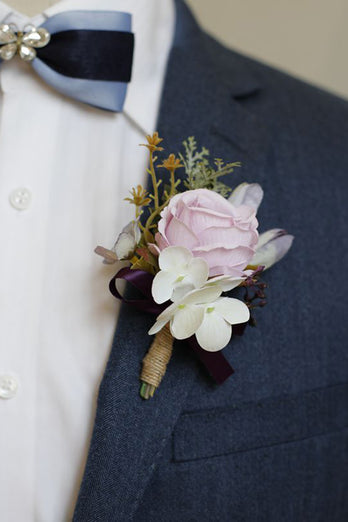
{"x":166,"y":217}
{"x":178,"y":234}
{"x":198,"y":219}
{"x":226,"y":270}
{"x":230,"y":259}
{"x":154,"y":249}
{"x":161,"y":241}
{"x":228,"y":237}
{"x":207,"y":199}
{"x":245,"y":218}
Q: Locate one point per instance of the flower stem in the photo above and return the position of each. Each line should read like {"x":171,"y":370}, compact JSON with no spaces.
{"x":150,"y":221}
{"x":155,"y":362}
{"x":172,"y":183}
{"x":154,"y":180}
{"x":141,"y":226}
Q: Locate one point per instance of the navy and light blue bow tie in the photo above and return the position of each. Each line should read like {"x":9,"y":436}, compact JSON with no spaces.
{"x":86,"y":55}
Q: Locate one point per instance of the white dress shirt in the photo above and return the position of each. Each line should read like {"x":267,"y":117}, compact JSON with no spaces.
{"x":64,"y":170}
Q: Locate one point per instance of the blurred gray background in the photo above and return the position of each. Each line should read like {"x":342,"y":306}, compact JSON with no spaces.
{"x":308,"y":38}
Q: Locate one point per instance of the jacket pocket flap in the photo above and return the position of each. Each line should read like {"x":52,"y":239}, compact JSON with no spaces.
{"x":260,"y":424}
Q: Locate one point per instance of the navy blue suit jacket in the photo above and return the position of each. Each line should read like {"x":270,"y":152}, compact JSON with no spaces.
{"x":271,"y":444}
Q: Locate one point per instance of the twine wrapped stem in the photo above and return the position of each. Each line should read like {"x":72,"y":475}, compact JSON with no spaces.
{"x":155,"y":362}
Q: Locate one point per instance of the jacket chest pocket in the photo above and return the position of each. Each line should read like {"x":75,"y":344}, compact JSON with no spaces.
{"x":269,"y":422}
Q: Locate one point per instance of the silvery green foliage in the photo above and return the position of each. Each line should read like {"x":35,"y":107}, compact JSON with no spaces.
{"x":200,"y":173}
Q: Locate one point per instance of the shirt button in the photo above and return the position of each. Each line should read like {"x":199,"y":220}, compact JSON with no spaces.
{"x":20,"y":198}
{"x":8,"y":386}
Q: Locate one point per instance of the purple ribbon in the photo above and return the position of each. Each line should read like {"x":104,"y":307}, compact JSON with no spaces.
{"x":142,"y":281}
{"x":215,"y":362}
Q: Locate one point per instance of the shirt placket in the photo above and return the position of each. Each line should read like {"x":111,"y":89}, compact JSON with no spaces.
{"x":24,"y":193}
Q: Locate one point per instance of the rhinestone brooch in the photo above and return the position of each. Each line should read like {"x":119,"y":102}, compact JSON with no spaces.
{"x":23,"y":43}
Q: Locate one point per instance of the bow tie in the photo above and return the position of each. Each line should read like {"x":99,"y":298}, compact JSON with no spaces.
{"x":86,"y":55}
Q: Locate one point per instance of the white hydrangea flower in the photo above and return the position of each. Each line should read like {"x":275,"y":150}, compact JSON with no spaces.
{"x":204,"y":313}
{"x":186,"y":314}
{"x":215,"y":330}
{"x":179,"y":273}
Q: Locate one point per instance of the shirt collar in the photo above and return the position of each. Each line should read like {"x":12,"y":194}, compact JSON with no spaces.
{"x":153,"y":23}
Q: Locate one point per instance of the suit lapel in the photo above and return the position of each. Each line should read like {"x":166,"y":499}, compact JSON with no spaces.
{"x":202,"y":94}
{"x":129,"y":433}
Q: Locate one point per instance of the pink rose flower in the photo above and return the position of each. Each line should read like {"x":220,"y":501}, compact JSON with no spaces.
{"x":211,"y":227}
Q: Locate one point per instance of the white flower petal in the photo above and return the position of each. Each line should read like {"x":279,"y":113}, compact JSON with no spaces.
{"x":232,"y":310}
{"x":162,"y":286}
{"x":163,"y":319}
{"x":124,"y":246}
{"x":225,"y":282}
{"x":214,"y":333}
{"x":272,"y":251}
{"x":186,"y":321}
{"x":202,"y":295}
{"x":198,"y":271}
{"x":173,"y":258}
{"x":249,"y":194}
{"x":265,"y":237}
{"x":127,"y":241}
{"x":167,"y":314}
{"x":181,"y":290}
{"x":157,"y":327}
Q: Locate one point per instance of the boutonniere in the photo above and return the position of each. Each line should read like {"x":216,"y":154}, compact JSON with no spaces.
{"x":193,"y":242}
